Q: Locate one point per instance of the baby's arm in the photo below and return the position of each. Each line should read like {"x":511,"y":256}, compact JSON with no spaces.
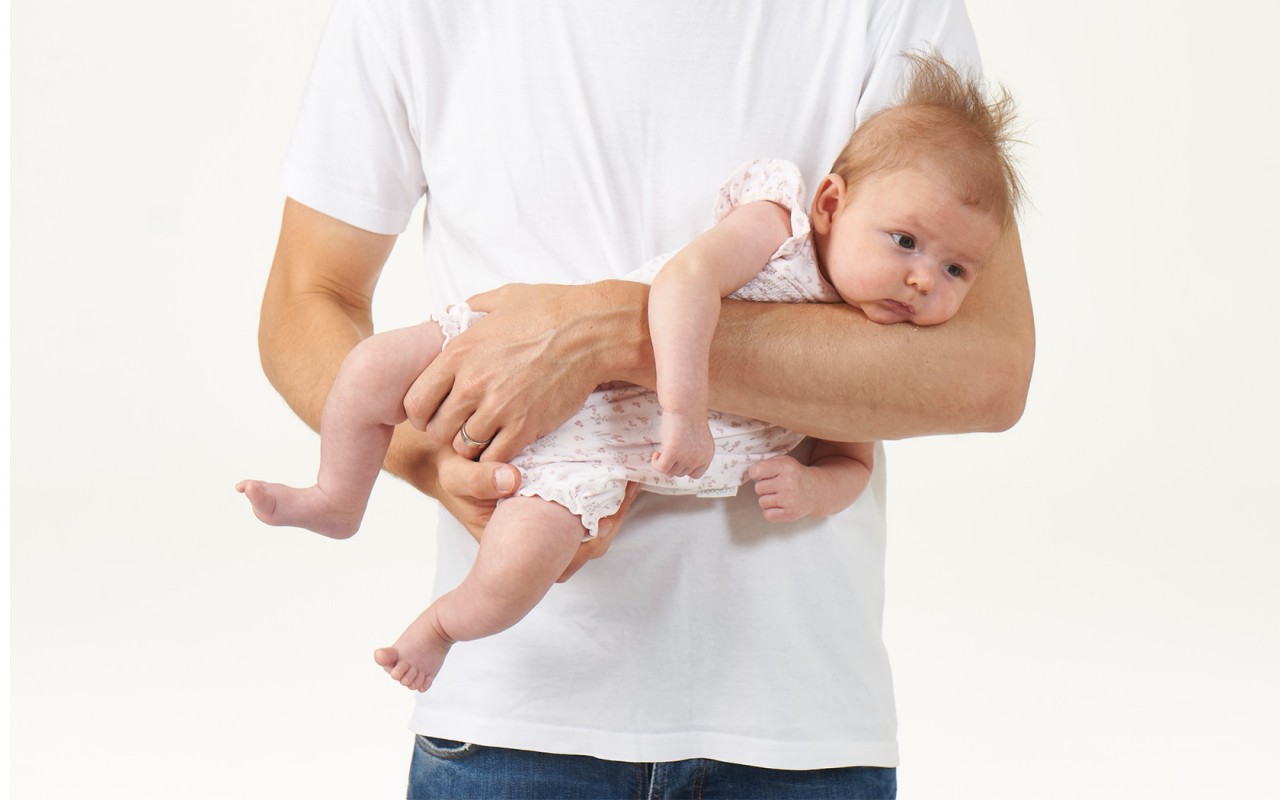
{"x":836,"y":475}
{"x":684,"y":306}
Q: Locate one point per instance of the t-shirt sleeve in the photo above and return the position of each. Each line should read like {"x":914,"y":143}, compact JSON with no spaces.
{"x":354,"y":155}
{"x":941,"y":25}
{"x":774,"y":180}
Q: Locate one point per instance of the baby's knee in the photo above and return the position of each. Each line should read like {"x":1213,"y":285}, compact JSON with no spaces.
{"x":373,"y":366}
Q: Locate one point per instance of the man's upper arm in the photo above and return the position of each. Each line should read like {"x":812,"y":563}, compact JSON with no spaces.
{"x":317,"y":304}
{"x":320,"y":254}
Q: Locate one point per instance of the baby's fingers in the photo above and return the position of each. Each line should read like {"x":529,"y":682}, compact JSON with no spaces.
{"x":675,"y":464}
{"x":776,"y":509}
{"x":780,"y":514}
{"x":769,"y":468}
{"x":665,"y":463}
{"x":768,"y":486}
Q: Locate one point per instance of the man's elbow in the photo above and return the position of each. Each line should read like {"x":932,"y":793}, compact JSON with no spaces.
{"x":1002,"y":395}
{"x":269,"y":346}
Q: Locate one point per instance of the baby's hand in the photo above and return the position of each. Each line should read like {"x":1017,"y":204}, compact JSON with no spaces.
{"x":786,"y":488}
{"x":686,"y":447}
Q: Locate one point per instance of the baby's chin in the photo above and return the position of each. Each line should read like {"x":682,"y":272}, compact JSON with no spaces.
{"x":882,"y":314}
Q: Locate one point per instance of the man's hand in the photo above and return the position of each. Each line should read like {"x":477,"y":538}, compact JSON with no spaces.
{"x":526,"y":367}
{"x":608,"y":528}
{"x":470,"y":490}
{"x":513,"y":376}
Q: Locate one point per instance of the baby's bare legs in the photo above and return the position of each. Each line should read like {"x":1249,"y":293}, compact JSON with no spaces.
{"x":363,"y":407}
{"x":527,"y":544}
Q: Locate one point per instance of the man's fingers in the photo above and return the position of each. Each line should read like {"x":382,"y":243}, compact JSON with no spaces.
{"x":586,"y":551}
{"x":458,"y":398}
{"x":508,"y":443}
{"x":488,"y":481}
{"x":470,"y":442}
{"x":447,"y":421}
{"x":607,"y":529}
{"x":467,"y":451}
{"x":486,"y":302}
{"x":425,"y":395}
{"x":628,"y":497}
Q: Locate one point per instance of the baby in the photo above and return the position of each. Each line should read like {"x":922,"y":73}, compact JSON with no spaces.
{"x":900,"y":229}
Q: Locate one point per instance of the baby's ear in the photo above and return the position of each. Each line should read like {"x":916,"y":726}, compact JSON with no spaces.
{"x":826,"y":202}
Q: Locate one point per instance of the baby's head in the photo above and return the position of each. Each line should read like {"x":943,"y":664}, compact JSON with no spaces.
{"x":918,"y":198}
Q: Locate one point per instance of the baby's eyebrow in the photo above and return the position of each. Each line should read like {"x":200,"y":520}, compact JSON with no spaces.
{"x":911,"y":222}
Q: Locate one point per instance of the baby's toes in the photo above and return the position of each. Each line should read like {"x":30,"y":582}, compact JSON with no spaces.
{"x":410,"y":678}
{"x":386,"y":657}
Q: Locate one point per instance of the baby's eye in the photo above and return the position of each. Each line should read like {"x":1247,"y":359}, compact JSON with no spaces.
{"x":904,"y":240}
{"x":955,"y":270}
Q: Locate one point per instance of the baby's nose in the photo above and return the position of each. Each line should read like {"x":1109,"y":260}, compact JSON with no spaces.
{"x":921,"y":281}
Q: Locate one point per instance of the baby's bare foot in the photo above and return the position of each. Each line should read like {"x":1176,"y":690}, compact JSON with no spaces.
{"x":264,"y":503}
{"x":415,"y":659}
{"x":277,"y":504}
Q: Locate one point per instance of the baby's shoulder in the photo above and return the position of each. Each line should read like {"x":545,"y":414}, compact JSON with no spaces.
{"x":773,"y":179}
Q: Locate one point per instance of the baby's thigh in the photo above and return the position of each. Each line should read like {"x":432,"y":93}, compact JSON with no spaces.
{"x":393,"y":359}
{"x":589,"y":490}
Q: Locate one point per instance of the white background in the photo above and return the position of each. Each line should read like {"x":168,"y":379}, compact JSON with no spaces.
{"x":1085,"y":606}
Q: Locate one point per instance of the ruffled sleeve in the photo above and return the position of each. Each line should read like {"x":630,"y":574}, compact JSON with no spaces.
{"x":774,"y":180}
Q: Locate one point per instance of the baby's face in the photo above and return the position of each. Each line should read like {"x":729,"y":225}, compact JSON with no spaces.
{"x":903,"y":247}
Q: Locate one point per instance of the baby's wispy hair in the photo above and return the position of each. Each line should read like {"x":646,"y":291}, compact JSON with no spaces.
{"x":943,"y":121}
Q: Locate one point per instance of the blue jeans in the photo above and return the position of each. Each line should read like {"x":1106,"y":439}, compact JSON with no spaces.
{"x":447,"y":770}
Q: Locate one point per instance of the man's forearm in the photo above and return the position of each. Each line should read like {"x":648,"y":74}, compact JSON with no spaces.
{"x":302,"y":340}
{"x":829,"y":372}
{"x":826,"y":371}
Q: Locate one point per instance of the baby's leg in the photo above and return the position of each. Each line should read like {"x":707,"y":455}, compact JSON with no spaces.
{"x":363,"y":408}
{"x":527,"y":544}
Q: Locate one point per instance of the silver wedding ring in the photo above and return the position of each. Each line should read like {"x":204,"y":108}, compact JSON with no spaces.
{"x":469,"y":442}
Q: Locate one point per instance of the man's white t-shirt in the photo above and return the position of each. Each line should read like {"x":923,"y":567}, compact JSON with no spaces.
{"x":570,"y":141}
